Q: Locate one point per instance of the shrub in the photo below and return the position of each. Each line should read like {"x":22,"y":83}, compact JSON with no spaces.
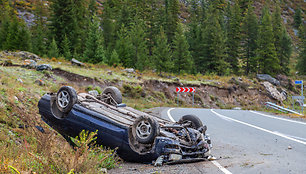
{"x":133,"y":91}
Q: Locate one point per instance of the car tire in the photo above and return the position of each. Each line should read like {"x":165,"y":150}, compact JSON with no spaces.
{"x":65,"y":99}
{"x":114,"y":92}
{"x":145,"y":129}
{"x":196,"y":123}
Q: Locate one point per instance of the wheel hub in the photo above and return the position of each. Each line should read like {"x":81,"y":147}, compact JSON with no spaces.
{"x":143,"y":129}
{"x":63,"y":99}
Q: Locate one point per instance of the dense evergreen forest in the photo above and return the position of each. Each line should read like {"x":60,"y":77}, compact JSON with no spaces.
{"x":213,"y":37}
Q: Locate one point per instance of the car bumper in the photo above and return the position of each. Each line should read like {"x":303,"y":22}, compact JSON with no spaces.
{"x":174,"y":152}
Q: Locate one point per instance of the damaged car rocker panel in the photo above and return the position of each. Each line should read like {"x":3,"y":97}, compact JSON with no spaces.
{"x":139,"y":136}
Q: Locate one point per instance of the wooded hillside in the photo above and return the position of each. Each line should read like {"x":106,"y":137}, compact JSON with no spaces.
{"x":195,"y":36}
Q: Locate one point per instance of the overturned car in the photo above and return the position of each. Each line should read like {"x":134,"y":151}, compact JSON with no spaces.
{"x":139,"y":137}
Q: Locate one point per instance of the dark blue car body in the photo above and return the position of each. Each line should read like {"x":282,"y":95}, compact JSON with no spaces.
{"x":111,"y":133}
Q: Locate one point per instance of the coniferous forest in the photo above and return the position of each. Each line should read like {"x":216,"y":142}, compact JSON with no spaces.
{"x":197,"y":36}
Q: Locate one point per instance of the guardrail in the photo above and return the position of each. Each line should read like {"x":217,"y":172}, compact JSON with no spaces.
{"x":280,"y":108}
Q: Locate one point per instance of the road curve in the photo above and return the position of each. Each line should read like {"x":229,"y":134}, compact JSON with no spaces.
{"x":251,"y":142}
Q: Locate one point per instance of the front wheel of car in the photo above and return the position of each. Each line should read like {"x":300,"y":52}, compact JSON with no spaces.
{"x":196,"y":123}
{"x":65,"y":99}
{"x":145,"y":129}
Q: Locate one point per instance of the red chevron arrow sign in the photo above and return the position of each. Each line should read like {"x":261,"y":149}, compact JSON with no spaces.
{"x":185,"y":89}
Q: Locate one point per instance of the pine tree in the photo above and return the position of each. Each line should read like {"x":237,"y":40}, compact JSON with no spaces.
{"x":162,"y":53}
{"x":94,"y":51}
{"x":81,"y":24}
{"x":124,"y":48}
{"x":194,"y":35}
{"x":12,"y":42}
{"x":126,"y":13}
{"x":277,"y":29}
{"x":181,"y":56}
{"x":285,"y":51}
{"x":14,"y":35}
{"x":114,"y":59}
{"x":297,"y":18}
{"x":69,"y":18}
{"x":153,"y":23}
{"x":23,"y":38}
{"x":38,"y":40}
{"x":109,"y":26}
{"x":214,"y":46}
{"x":172,"y":11}
{"x":249,"y":38}
{"x":234,"y":37}
{"x":139,"y":51}
{"x":62,"y":20}
{"x":228,"y":13}
{"x":66,"y":48}
{"x":282,"y":41}
{"x":267,"y":57}
{"x":39,"y":30}
{"x":301,"y":66}
{"x":4,"y":29}
{"x":53,"y":50}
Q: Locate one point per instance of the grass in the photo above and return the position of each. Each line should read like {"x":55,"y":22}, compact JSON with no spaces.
{"x":100,"y":72}
{"x":24,"y":149}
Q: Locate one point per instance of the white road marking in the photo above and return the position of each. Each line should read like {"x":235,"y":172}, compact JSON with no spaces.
{"x":293,"y":121}
{"x":169,"y":115}
{"x":259,"y":128}
{"x":224,"y":170}
{"x":299,"y":138}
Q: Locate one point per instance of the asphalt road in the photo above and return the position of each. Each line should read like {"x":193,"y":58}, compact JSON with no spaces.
{"x":249,"y":142}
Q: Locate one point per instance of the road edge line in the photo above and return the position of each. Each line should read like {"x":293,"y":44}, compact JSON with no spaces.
{"x":224,"y":170}
{"x":284,"y":119}
{"x":259,"y":128}
{"x":169,"y":115}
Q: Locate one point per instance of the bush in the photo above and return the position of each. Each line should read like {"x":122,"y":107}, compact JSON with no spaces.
{"x":133,"y":91}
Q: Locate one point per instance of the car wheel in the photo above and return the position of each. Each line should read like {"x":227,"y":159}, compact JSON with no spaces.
{"x":145,"y":129}
{"x":196,"y":123}
{"x":65,"y":99}
{"x":112,"y":93}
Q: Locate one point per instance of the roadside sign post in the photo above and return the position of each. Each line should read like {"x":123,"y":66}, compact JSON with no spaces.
{"x":178,"y":99}
{"x":302,"y":97}
{"x":300,"y":82}
{"x":192,"y":99}
{"x":185,"y":89}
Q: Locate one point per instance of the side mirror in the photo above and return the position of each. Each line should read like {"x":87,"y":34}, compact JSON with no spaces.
{"x":121,"y":105}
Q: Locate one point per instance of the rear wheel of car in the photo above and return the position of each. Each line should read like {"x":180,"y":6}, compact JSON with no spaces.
{"x":145,"y":129}
{"x":65,"y":99}
{"x":196,"y":123}
{"x":111,"y":94}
